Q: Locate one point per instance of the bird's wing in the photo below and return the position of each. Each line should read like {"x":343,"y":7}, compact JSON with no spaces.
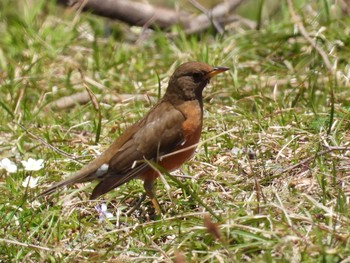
{"x":157,"y":134}
{"x":87,"y":172}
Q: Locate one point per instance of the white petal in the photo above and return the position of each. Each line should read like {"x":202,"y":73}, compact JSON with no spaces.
{"x":8,"y":165}
{"x":103,"y":207}
{"x":30,"y":181}
{"x":4,"y":162}
{"x":33,"y":165}
{"x":108,"y":215}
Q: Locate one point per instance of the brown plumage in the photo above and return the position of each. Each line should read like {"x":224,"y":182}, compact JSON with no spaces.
{"x":174,"y":123}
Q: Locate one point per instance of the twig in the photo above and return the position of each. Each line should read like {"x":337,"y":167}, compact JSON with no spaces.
{"x":330,"y":149}
{"x":298,"y":21}
{"x":337,"y":148}
{"x":327,"y":63}
{"x":202,"y":22}
{"x":14,"y":242}
{"x":82,"y":97}
{"x":70,"y":156}
{"x":205,"y":11}
{"x":96,"y":105}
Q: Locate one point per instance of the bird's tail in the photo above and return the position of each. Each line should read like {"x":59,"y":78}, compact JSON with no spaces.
{"x":88,"y":173}
{"x":56,"y":186}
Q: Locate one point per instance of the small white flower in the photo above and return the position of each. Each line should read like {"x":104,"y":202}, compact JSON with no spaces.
{"x":33,"y":165}
{"x":30,"y":181}
{"x":8,"y":165}
{"x":103,"y":213}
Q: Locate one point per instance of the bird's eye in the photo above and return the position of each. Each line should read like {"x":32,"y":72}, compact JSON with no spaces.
{"x":197,"y":77}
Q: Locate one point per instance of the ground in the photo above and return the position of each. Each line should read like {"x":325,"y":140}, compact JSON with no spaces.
{"x":269,"y":181}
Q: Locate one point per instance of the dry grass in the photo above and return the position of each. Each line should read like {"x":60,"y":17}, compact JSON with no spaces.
{"x":269,"y":182}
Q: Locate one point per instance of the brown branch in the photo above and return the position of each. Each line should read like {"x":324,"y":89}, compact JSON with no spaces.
{"x":202,"y":21}
{"x":83,"y":98}
{"x":131,"y":12}
{"x":141,"y":14}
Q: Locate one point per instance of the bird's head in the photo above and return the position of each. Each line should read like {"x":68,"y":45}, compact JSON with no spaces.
{"x":189,"y":80}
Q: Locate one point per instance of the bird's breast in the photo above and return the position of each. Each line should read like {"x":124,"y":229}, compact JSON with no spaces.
{"x":191,"y":129}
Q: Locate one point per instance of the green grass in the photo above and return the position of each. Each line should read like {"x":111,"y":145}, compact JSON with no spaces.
{"x":262,"y":167}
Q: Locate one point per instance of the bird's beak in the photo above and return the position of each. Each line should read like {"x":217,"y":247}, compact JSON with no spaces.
{"x":215,"y":71}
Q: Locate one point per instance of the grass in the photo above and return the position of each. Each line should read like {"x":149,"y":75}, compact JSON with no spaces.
{"x":273,"y":161}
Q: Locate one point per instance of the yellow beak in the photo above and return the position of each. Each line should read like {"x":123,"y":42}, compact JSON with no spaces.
{"x":215,"y":71}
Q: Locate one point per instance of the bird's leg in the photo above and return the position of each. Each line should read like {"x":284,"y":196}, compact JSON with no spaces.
{"x":148,"y":185}
{"x":137,"y":205}
{"x":166,"y":185}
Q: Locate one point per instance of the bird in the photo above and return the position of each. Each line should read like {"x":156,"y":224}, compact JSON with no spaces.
{"x":167,"y":135}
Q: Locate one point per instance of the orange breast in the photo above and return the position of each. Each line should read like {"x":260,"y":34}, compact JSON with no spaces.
{"x":192,"y":129}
